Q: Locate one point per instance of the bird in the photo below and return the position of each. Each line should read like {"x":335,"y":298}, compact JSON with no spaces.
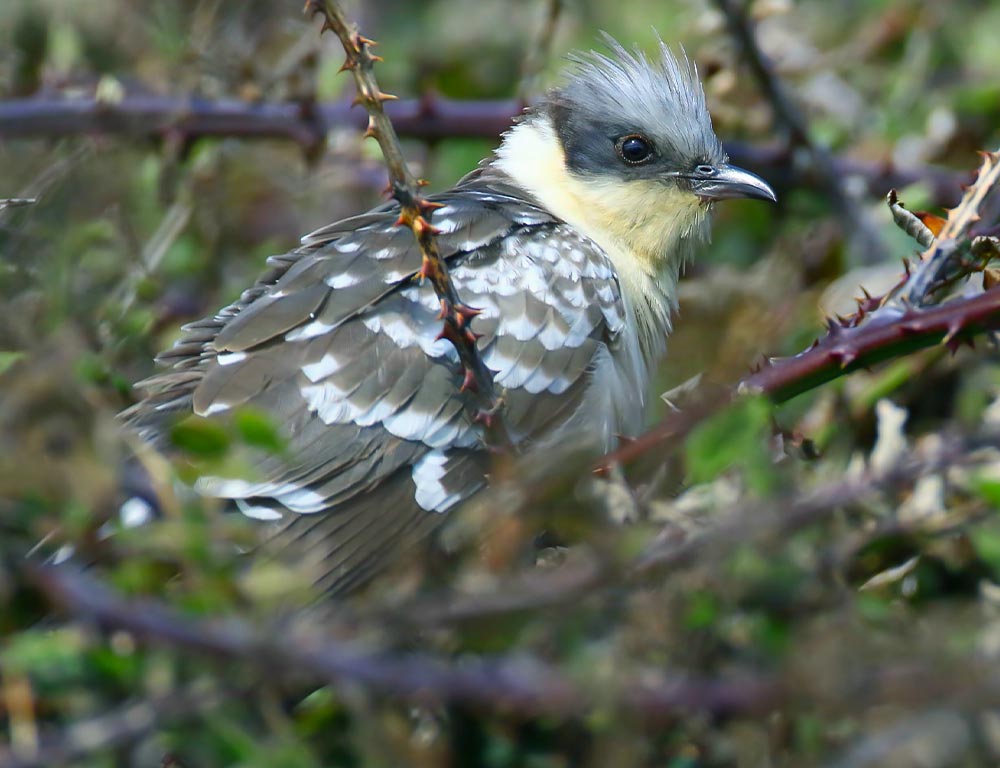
{"x":569,"y":239}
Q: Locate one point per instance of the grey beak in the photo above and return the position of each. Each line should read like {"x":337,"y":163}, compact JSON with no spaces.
{"x":726,"y":182}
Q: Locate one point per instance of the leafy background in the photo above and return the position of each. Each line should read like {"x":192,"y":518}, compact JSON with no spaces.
{"x":866,"y":637}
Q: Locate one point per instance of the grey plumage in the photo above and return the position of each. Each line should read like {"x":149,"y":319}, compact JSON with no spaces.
{"x":337,"y":341}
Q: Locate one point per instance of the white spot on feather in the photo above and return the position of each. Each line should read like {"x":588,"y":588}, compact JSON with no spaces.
{"x":322,"y":368}
{"x":431,"y":493}
{"x":231,"y":358}
{"x":342,"y":280}
{"x":309,"y":331}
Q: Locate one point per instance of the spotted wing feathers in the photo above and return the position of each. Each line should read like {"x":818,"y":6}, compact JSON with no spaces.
{"x":338,"y":344}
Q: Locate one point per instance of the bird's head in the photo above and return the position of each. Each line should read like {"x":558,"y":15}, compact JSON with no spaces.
{"x":627,"y":119}
{"x":625,"y":151}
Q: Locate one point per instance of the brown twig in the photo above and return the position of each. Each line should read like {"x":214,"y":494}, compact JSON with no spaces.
{"x":428,"y":119}
{"x":537,"y":55}
{"x":750,"y":521}
{"x":415,"y":213}
{"x":844,"y":350}
{"x":518,"y":685}
{"x":855,"y":220}
{"x":882,"y":328}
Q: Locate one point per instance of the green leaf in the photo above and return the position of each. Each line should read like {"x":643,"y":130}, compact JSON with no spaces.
{"x":7,"y":359}
{"x":988,"y":490}
{"x":737,"y":436}
{"x":256,"y":428}
{"x":200,"y":437}
{"x":987,"y":544}
{"x":702,"y":611}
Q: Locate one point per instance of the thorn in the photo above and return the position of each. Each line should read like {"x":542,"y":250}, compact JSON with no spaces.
{"x":421,"y":226}
{"x":427,"y":206}
{"x":371,"y":131}
{"x":486,"y":418}
{"x":360,"y":40}
{"x":469,"y":383}
{"x":843,"y":355}
{"x":906,"y":266}
{"x":405,"y":219}
{"x":448,"y":334}
{"x":383,"y":96}
{"x":464,"y":314}
{"x":429,"y":270}
{"x":421,"y":182}
{"x":954,"y":328}
{"x":833,"y":328}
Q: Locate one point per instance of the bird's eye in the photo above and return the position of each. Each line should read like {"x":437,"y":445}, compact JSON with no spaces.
{"x":634,"y":149}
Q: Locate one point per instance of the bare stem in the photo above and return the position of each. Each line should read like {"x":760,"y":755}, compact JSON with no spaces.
{"x":429,"y":118}
{"x":415,"y":213}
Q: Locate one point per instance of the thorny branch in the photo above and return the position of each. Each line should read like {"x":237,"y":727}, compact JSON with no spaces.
{"x":415,"y":213}
{"x":883,"y":327}
{"x":429,"y":119}
{"x":855,"y":220}
{"x":952,"y":255}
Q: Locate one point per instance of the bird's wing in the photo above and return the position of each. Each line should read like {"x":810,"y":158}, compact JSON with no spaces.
{"x":338,"y":345}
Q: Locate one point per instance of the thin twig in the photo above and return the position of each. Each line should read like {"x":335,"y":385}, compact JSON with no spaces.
{"x":514,"y":684}
{"x":429,"y":119}
{"x":415,"y":213}
{"x":749,"y":522}
{"x":539,"y":52}
{"x":856,"y":222}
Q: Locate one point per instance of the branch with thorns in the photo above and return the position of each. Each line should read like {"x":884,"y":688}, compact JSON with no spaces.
{"x":415,"y":213}
{"x":183,"y":121}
